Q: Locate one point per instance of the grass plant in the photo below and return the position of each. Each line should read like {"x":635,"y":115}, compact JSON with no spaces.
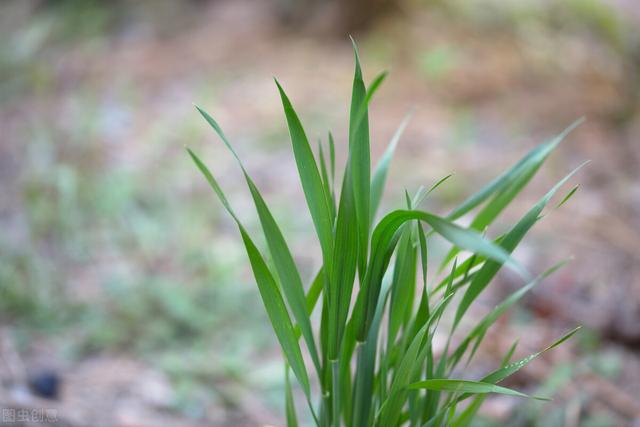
{"x":371,"y":361}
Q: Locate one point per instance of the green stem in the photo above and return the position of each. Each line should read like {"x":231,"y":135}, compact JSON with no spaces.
{"x":335,"y":410}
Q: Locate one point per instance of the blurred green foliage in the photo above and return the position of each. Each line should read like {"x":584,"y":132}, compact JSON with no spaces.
{"x":437,"y":61}
{"x":108,"y":255}
{"x":128,"y":233}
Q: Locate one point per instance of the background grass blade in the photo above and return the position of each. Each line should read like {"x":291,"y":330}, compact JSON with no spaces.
{"x":326,"y":180}
{"x":380,"y":172}
{"x":375,"y":85}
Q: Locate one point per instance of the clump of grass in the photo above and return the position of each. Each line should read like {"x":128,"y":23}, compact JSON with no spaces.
{"x":371,"y":362}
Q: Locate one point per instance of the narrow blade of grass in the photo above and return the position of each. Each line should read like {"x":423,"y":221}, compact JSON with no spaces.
{"x":403,"y":285}
{"x":502,"y":373}
{"x":390,"y":411}
{"x":344,"y":261}
{"x":474,"y":242}
{"x":271,"y":297}
{"x":332,"y":159}
{"x":438,"y":183}
{"x":328,"y":184}
{"x":478,"y":332}
{"x":468,"y":415}
{"x":366,"y":361}
{"x":360,"y":159}
{"x":314,"y":291}
{"x":570,"y":194}
{"x":424,"y":258}
{"x":509,"y":243}
{"x":315,"y":195}
{"x":411,"y":362}
{"x":280,"y":253}
{"x":385,"y":238}
{"x":382,"y":168}
{"x":346,"y":386}
{"x":290,"y":409}
{"x":506,"y":187}
{"x":464,"y":386}
{"x":506,"y":371}
{"x":532,"y":160}
{"x":375,"y":85}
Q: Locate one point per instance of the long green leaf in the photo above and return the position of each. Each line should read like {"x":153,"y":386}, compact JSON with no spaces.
{"x":478,"y":332}
{"x":280,"y":253}
{"x":360,"y":159}
{"x":533,"y":160}
{"x":332,"y":159}
{"x":314,"y":192}
{"x":502,"y":373}
{"x":380,"y":172}
{"x":464,"y":386}
{"x":506,"y":371}
{"x":403,"y":285}
{"x":345,"y":255}
{"x":271,"y":297}
{"x":314,"y":292}
{"x":509,"y":243}
{"x":326,"y":180}
{"x":506,"y":187}
{"x":383,"y":242}
{"x":468,"y":415}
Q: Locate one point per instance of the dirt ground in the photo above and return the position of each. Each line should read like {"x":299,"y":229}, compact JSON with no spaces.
{"x":99,"y":201}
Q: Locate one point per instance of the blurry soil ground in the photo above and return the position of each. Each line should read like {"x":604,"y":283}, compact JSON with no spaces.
{"x":119,"y":271}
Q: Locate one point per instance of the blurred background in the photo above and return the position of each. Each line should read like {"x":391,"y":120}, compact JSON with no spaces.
{"x":125,"y":295}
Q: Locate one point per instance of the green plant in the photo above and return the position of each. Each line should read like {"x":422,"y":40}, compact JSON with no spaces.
{"x":367,"y":374}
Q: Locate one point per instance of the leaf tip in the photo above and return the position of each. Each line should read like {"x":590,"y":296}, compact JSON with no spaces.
{"x":355,"y":51}
{"x":200,"y":110}
{"x":283,"y":95}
